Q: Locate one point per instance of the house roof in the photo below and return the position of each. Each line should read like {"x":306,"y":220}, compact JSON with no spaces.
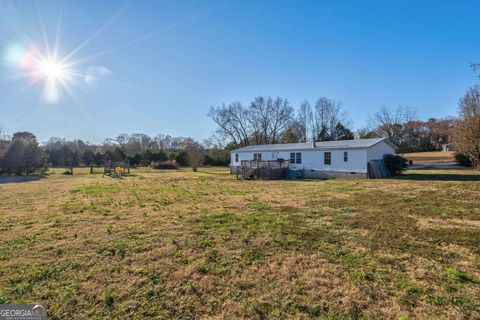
{"x":339,"y":144}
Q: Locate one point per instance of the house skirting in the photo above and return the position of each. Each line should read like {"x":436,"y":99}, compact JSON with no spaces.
{"x":318,"y":174}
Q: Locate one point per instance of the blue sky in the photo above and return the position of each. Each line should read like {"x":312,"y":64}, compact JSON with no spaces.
{"x":169,"y":61}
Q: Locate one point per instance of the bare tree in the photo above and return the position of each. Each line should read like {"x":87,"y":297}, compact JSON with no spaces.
{"x":269,"y":118}
{"x":365,"y":133}
{"x":3,"y":133}
{"x":294,"y":133}
{"x":466,"y":136}
{"x":164,"y":142}
{"x":4,"y":142}
{"x":281,"y":117}
{"x":440,"y":131}
{"x":55,"y":143}
{"x":305,"y":122}
{"x":213,"y":142}
{"x":272,"y":120}
{"x":142,"y":140}
{"x":232,"y":122}
{"x":328,"y":115}
{"x":122,"y":139}
{"x":389,"y":123}
{"x":475,"y":66}
{"x":263,"y":122}
{"x":109,"y":143}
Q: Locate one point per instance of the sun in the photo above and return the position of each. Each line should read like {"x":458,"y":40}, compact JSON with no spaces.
{"x":55,"y":74}
{"x":52,"y":69}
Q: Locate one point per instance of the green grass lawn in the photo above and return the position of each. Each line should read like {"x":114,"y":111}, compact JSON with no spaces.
{"x":178,"y":244}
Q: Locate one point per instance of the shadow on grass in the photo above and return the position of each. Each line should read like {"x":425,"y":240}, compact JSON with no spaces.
{"x":437,"y":177}
{"x":207,"y":171}
{"x":19,"y":179}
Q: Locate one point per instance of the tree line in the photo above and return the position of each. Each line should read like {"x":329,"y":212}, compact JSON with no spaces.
{"x":265,"y":120}
{"x":400,"y":126}
{"x":21,"y":153}
{"x":269,"y":120}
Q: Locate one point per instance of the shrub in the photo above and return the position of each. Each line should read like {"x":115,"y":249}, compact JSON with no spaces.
{"x":159,"y":156}
{"x":217,"y":158}
{"x":135,"y":160}
{"x":463,"y":160}
{"x":395,"y":164}
{"x":169,"y":165}
{"x":182,"y":158}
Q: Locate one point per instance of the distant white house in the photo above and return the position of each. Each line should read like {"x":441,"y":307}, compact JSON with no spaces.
{"x":326,"y":159}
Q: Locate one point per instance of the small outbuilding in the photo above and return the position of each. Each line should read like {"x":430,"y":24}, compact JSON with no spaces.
{"x":323,"y":160}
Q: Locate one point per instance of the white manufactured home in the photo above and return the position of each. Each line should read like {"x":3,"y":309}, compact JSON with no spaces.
{"x":325,"y":159}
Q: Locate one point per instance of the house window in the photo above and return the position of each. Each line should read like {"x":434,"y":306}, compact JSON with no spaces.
{"x":295,"y":157}
{"x":257,"y":157}
{"x":299,"y":157}
{"x":236,"y":157}
{"x":345,"y":156}
{"x":327,"y":158}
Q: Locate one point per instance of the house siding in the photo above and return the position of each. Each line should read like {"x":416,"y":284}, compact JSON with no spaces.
{"x":377,"y":151}
{"x":313,"y":164}
{"x":314,"y":159}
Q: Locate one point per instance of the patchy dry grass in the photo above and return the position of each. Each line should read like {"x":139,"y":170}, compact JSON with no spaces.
{"x":203,"y":245}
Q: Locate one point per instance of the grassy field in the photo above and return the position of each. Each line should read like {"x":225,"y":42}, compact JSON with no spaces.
{"x":182,"y":245}
{"x":430,"y":157}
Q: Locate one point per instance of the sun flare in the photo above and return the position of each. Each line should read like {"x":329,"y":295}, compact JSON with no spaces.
{"x":52,"y":69}
{"x":54,"y":74}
